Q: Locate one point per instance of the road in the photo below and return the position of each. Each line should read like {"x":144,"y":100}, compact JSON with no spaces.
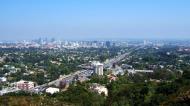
{"x":69,"y":78}
{"x":117,"y":59}
{"x":9,"y":90}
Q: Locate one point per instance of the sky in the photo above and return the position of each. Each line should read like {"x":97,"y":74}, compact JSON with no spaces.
{"x":94,"y":19}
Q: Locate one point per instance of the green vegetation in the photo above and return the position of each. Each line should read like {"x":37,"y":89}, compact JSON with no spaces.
{"x":121,"y":93}
{"x":47,"y":65}
{"x":169,"y":85}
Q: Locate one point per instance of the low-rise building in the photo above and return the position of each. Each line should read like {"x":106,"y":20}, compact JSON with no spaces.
{"x":3,"y":79}
{"x":52,"y":90}
{"x":117,"y":71}
{"x":25,"y":85}
{"x":112,"y":77}
{"x":133,"y":71}
{"x":99,"y":89}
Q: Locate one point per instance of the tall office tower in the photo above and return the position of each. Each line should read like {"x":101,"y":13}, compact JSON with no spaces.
{"x":108,"y":44}
{"x":98,"y":68}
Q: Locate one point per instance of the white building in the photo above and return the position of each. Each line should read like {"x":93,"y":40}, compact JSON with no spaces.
{"x":25,"y":85}
{"x":133,"y":71}
{"x":98,"y":68}
{"x":118,"y":70}
{"x":99,"y":89}
{"x":52,"y":90}
{"x":3,"y":79}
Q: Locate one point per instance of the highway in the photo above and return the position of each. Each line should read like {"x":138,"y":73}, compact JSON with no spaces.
{"x":117,"y":59}
{"x":69,"y":78}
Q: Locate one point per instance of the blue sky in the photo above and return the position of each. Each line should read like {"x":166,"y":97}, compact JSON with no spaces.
{"x":94,"y":19}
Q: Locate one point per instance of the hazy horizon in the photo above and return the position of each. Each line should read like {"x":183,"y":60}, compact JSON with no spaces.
{"x":94,"y":19}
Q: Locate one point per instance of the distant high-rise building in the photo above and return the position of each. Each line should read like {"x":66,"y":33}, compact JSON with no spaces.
{"x":145,"y":42}
{"x":52,"y":40}
{"x":114,"y":44}
{"x":108,"y":44}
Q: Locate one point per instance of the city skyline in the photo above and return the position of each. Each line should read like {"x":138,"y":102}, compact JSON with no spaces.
{"x":94,"y":20}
